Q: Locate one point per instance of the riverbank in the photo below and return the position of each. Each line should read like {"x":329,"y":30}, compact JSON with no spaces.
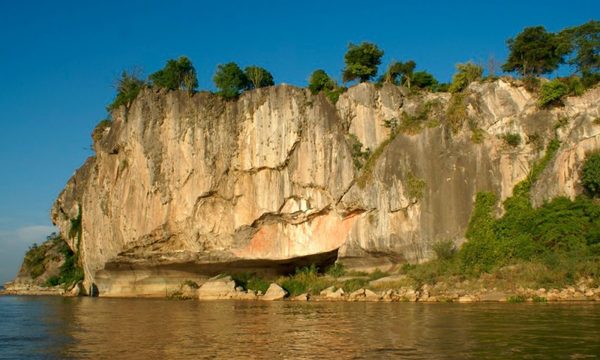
{"x":382,"y":289}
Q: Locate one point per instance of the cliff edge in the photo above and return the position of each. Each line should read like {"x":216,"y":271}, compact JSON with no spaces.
{"x":188,"y":186}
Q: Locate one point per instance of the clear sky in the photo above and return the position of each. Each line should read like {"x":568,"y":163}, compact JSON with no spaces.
{"x":59,"y":61}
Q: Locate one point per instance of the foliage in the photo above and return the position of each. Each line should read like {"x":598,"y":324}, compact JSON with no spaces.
{"x":412,"y":124}
{"x":251,"y":281}
{"x":305,"y":280}
{"x":230,"y":80}
{"x":128,"y":86}
{"x":361,"y":62}
{"x":35,"y":260}
{"x":369,"y":165}
{"x":531,"y":83}
{"x":456,"y":112}
{"x":465,"y":74}
{"x":99,"y":129}
{"x":415,"y":187}
{"x":512,"y":139}
{"x":584,"y":42}
{"x":424,"y":80}
{"x":359,"y":157}
{"x":258,"y":77}
{"x":177,"y":74}
{"x":444,"y":249}
{"x":590,"y":174}
{"x":351,"y":285}
{"x":377,"y":274}
{"x":400,"y":73}
{"x":552,"y":92}
{"x":534,"y":52}
{"x":70,"y":271}
{"x":515,"y":299}
{"x":75,"y":226}
{"x":336,"y":270}
{"x":320,"y":81}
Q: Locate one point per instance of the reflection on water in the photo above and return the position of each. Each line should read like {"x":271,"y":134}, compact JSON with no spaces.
{"x":53,"y":327}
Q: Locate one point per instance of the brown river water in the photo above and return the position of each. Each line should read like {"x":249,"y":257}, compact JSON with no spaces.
{"x":98,"y":328}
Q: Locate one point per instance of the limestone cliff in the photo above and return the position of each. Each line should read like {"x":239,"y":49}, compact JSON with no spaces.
{"x":184,"y":187}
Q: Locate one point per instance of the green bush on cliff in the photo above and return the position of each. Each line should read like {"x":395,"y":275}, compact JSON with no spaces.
{"x":35,"y":260}
{"x":590,"y":174}
{"x":465,"y":74}
{"x":129,"y":86}
{"x":70,"y":271}
{"x":177,"y":74}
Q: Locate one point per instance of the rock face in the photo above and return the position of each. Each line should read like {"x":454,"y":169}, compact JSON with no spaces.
{"x":185,"y":187}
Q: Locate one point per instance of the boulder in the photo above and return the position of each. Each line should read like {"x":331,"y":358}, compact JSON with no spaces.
{"x":274,"y":292}
{"x":217,"y":288}
{"x":301,"y":297}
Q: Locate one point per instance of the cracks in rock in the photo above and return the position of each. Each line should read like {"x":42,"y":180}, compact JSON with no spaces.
{"x":294,"y":218}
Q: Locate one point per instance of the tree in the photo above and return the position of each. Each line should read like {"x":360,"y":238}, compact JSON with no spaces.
{"x":258,"y":77}
{"x":590,"y":174}
{"x":128,"y":87}
{"x":230,"y":80}
{"x":320,"y":81}
{"x":177,"y":74}
{"x":584,"y":42}
{"x":423,"y":80}
{"x":400,"y":73}
{"x":465,"y":74}
{"x":361,"y":62}
{"x":534,"y":52}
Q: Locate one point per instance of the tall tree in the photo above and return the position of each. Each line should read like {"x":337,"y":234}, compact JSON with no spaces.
{"x":177,"y":74}
{"x":534,"y":52}
{"x":361,"y":62}
{"x":584,"y":42}
{"x":258,"y":77}
{"x":230,"y":80}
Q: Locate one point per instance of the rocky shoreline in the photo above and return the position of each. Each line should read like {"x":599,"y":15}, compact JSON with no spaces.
{"x":224,"y":288}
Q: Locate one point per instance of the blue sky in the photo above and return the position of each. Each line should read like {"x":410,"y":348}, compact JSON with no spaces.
{"x":59,"y":61}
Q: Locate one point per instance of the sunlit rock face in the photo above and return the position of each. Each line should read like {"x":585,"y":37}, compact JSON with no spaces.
{"x":186,"y":185}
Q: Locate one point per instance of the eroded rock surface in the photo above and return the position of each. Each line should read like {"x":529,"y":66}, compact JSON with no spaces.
{"x":184,"y":186}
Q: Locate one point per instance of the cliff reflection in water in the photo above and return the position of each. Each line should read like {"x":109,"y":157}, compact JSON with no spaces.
{"x":145,"y":328}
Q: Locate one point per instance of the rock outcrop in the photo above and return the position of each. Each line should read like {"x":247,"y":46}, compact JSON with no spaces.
{"x":187,"y":187}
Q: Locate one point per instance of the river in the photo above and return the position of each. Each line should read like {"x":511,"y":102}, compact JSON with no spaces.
{"x":100,"y":328}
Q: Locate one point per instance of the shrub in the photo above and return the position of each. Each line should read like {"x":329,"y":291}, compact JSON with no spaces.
{"x":465,"y":74}
{"x":444,"y":249}
{"x":35,"y":260}
{"x":378,"y":274}
{"x":456,"y":113}
{"x":512,"y":139}
{"x":177,"y":74}
{"x":515,"y":299}
{"x":552,"y":92}
{"x":415,"y":187}
{"x":336,"y":270}
{"x":354,"y":284}
{"x":590,"y":174}
{"x":359,"y":157}
{"x":129,"y":86}
{"x":304,"y":280}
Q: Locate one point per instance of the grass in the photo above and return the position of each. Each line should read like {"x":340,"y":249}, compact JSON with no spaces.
{"x":456,"y":113}
{"x":415,"y":186}
{"x":515,"y":299}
